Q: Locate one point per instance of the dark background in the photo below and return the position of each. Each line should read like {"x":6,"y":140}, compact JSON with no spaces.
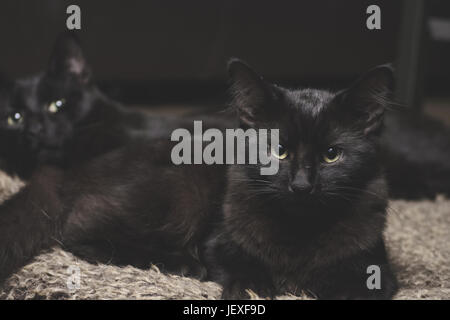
{"x":149,"y":52}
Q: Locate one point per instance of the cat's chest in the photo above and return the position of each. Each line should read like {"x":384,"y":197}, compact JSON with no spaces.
{"x":295,"y":246}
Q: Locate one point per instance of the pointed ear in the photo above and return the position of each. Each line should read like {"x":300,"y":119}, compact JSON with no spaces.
{"x":251,"y":95}
{"x":68,"y":61}
{"x":368,"y":98}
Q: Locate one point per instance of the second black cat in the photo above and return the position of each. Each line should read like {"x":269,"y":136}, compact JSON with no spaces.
{"x":60,"y":116}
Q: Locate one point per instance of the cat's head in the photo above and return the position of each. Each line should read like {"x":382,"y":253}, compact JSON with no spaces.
{"x":328,"y":141}
{"x":38,"y":113}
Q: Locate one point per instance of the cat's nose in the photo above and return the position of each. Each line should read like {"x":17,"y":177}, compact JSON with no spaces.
{"x":301,"y":183}
{"x":34,"y":129}
{"x":301,"y":186}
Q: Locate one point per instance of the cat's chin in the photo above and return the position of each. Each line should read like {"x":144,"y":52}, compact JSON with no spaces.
{"x":52,"y":156}
{"x":298,"y":198}
{"x":313,"y":205}
{"x":303,"y":205}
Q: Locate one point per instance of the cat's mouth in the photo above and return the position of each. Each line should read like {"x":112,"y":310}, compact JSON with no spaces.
{"x":303,"y":197}
{"x":50,"y":155}
{"x":304,"y":191}
{"x":313,"y":197}
{"x":36,"y":145}
{"x":47,"y":151}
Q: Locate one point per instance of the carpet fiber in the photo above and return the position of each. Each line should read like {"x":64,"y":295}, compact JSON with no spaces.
{"x":418,"y":240}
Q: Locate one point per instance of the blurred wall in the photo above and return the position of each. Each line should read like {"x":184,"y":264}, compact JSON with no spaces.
{"x":191,"y":40}
{"x":146,"y":48}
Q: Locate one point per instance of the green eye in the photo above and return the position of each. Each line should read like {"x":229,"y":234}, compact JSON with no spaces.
{"x":280,"y":152}
{"x":331,"y":155}
{"x":15,"y":119}
{"x":56,"y":106}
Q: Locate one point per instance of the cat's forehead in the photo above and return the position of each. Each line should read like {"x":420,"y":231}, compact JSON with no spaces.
{"x":27,"y":85}
{"x":26,"y":91}
{"x":305,"y":117}
{"x":20,"y":93}
{"x":309,"y":102}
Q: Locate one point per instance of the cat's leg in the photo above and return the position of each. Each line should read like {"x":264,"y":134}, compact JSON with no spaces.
{"x":237,"y":271}
{"x":181,"y":262}
{"x":101,"y":229}
{"x":30,"y":221}
{"x":105,"y":249}
{"x":367,"y":276}
{"x":100,"y":242}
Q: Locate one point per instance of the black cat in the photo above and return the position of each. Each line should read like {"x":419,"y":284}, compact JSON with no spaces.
{"x":316,"y":226}
{"x":61,"y":117}
{"x":39,"y":113}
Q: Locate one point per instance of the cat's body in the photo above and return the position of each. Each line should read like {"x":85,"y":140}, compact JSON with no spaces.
{"x":128,"y":206}
{"x":313,"y":226}
{"x":65,"y":153}
{"x":147,"y":209}
{"x":416,"y":155}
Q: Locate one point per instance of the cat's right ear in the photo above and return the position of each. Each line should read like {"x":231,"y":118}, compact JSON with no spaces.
{"x":251,"y":95}
{"x":368,"y":98}
{"x":68,"y":61}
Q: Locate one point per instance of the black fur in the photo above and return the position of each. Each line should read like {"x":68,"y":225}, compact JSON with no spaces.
{"x":40,"y":135}
{"x":313,"y":227}
{"x":88,"y":123}
{"x":415,"y":149}
{"x":63,"y":155}
{"x":416,"y":155}
{"x":133,"y":206}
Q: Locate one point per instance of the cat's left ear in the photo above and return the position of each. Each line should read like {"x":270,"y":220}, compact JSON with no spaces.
{"x":253,"y":97}
{"x":369,"y":97}
{"x":68,"y":60}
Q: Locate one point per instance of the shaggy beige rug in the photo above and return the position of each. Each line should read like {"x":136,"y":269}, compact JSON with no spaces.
{"x":418,"y":238}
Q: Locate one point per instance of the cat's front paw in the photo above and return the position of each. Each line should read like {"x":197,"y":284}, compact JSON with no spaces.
{"x":194,"y":270}
{"x":189,"y":268}
{"x":349,"y":293}
{"x":240,"y":290}
{"x":359,"y":296}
